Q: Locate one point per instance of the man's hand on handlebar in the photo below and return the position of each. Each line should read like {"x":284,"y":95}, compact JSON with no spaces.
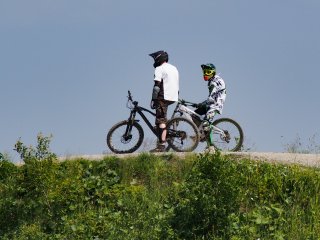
{"x":195,"y":105}
{"x":198,"y":105}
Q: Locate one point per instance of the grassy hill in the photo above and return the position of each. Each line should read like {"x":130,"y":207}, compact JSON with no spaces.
{"x":198,"y":196}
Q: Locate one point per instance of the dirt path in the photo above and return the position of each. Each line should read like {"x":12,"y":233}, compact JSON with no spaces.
{"x":310,"y":160}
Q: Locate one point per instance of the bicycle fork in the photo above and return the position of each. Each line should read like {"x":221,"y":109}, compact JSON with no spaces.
{"x":127,"y":134}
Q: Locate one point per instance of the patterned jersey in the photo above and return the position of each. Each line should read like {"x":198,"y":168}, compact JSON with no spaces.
{"x":217,"y":95}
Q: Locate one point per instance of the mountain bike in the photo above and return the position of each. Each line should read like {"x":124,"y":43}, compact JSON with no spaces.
{"x":225,"y":134}
{"x":127,"y":136}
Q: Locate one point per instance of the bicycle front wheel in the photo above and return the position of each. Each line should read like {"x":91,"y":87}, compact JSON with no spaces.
{"x":124,"y":137}
{"x":226,"y":135}
{"x":182,"y":134}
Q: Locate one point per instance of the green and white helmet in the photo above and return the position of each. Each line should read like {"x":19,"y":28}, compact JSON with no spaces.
{"x":209,"y":71}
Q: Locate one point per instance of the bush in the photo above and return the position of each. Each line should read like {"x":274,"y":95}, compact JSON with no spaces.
{"x":207,"y":198}
{"x":156,"y":197}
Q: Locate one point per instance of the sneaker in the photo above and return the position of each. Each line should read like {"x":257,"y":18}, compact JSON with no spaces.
{"x":210,"y":149}
{"x":159,"y":148}
{"x":206,"y":126}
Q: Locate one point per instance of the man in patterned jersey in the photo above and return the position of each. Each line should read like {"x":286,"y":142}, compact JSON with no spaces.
{"x":217,"y":95}
{"x":165,"y":92}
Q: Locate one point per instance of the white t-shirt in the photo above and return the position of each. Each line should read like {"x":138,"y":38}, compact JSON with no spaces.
{"x":170,"y":76}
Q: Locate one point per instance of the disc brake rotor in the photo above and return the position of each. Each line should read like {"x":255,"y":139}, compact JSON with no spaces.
{"x":126,"y":139}
{"x":226,"y":137}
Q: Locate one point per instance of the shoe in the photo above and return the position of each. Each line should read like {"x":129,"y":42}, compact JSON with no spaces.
{"x":210,"y":149}
{"x":159,"y":148}
{"x":206,"y":126}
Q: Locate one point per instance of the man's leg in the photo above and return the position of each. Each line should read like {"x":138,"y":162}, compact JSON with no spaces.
{"x":161,"y":121}
{"x":208,"y":120}
{"x":162,"y":133}
{"x":163,"y":124}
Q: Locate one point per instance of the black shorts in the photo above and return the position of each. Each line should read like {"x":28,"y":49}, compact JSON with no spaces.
{"x":161,"y":111}
{"x":201,"y":110}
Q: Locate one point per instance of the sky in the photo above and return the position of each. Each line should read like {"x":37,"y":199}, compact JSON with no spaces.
{"x":66,"y":66}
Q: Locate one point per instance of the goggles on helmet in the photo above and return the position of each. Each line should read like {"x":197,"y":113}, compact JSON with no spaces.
{"x":208,"y":72}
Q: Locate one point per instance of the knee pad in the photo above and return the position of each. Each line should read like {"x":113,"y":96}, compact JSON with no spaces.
{"x":210,"y":115}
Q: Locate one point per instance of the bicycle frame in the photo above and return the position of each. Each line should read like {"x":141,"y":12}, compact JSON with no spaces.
{"x":182,"y":109}
{"x":135,"y":108}
{"x":138,"y":109}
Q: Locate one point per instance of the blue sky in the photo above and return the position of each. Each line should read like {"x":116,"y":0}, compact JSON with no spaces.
{"x":66,"y":66}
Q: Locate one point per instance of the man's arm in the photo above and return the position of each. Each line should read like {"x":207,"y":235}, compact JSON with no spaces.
{"x":156,"y":90}
{"x":155,"y":94}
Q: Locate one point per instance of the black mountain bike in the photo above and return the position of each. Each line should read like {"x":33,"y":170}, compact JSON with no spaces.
{"x":127,"y":136}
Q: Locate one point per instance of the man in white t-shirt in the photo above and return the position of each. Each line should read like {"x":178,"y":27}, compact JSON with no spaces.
{"x":165,"y":92}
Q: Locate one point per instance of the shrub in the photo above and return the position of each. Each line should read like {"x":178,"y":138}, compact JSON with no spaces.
{"x":207,"y":198}
{"x":156,"y":197}
{"x":41,"y":152}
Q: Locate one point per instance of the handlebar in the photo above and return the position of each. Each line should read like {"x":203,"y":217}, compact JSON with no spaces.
{"x":130,"y":102}
{"x":186,"y":103}
{"x":181,"y":101}
{"x":129,"y":96}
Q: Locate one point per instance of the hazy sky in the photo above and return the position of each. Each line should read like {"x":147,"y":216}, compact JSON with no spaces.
{"x":66,"y":66}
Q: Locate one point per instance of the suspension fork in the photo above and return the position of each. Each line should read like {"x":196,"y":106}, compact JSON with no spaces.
{"x":214,"y":129}
{"x":131,"y":120}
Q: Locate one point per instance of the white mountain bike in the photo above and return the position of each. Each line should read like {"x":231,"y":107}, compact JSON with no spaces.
{"x":225,"y":134}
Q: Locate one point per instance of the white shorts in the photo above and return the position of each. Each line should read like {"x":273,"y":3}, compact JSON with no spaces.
{"x":213,"y":109}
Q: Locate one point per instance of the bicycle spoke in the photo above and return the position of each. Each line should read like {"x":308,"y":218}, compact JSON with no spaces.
{"x":182,"y":135}
{"x":119,"y":142}
{"x":229,"y":138}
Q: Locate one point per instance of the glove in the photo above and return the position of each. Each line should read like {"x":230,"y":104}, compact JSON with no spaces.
{"x":198,"y":105}
{"x":195,"y":105}
{"x":154,"y":104}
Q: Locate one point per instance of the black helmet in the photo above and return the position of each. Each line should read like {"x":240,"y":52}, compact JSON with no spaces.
{"x":159,"y":57}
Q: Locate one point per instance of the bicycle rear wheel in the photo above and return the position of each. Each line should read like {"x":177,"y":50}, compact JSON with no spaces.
{"x":124,"y":137}
{"x":182,"y":134}
{"x":228,"y":137}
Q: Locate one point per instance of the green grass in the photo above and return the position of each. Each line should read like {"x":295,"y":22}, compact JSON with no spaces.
{"x":158,"y":197}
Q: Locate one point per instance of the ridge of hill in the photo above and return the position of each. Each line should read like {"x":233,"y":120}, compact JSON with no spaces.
{"x":309,"y":160}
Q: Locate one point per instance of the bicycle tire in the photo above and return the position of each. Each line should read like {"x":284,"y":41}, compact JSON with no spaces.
{"x":182,"y":134}
{"x":112,"y":138}
{"x":237,"y":138}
